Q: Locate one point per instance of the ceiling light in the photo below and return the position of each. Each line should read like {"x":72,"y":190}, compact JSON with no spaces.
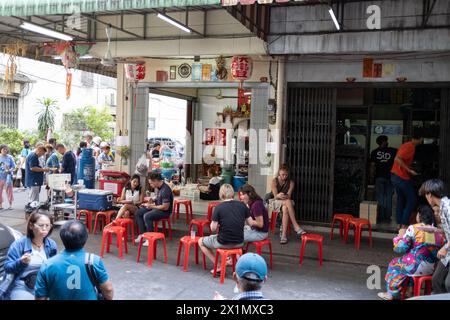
{"x":336,"y":23}
{"x":45,"y":31}
{"x":173,"y":22}
{"x":86,"y":56}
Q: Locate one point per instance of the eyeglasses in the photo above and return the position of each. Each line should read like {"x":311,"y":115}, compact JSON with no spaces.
{"x":43,"y":226}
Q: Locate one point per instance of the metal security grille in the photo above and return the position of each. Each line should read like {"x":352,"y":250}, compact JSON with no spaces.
{"x":310,"y":140}
{"x":444,"y":147}
{"x":9,"y":114}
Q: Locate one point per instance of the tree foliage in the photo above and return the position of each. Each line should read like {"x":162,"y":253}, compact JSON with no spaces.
{"x":46,"y":119}
{"x":14,"y":139}
{"x":86,"y":119}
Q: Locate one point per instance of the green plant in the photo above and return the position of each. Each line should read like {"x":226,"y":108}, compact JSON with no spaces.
{"x":14,"y":139}
{"x":125,"y":153}
{"x":46,"y":119}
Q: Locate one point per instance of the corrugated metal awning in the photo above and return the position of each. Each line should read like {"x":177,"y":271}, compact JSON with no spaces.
{"x":249,"y":2}
{"x":23,"y":8}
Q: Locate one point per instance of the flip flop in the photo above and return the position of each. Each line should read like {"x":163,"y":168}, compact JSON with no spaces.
{"x":385,"y":296}
{"x":217,"y":273}
{"x":284,"y":241}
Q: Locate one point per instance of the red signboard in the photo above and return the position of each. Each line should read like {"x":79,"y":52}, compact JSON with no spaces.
{"x":241,"y":67}
{"x":216,"y":137}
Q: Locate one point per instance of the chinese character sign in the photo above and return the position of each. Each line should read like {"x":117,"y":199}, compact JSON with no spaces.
{"x":135,"y":71}
{"x":216,"y":137}
{"x":241,"y":67}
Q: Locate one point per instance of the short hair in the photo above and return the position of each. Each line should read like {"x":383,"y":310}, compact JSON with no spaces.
{"x":157,"y":144}
{"x":60,"y":145}
{"x":49,"y":147}
{"x":3,"y":146}
{"x":426,"y":214}
{"x":249,"y":285}
{"x":435,"y":187}
{"x":52,"y":140}
{"x":250,"y":191}
{"x":418,"y":133}
{"x":74,"y":235}
{"x":34,"y":217}
{"x":83,"y":144}
{"x":41,"y":147}
{"x":226,"y":192}
{"x":381,"y":139}
{"x":155,"y":176}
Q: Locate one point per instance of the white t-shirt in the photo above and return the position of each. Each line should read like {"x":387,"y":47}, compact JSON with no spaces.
{"x":215,"y":180}
{"x":134,"y":196}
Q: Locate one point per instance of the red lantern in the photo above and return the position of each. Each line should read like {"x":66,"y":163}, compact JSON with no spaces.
{"x":135,"y":72}
{"x":241,"y":67}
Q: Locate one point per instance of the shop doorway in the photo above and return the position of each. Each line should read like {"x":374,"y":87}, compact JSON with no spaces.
{"x":166,"y":132}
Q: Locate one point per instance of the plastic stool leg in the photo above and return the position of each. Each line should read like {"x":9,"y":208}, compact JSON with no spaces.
{"x":120,"y":241}
{"x":270,"y":252}
{"x":320,"y":253}
{"x":150,"y":252}
{"x":302,"y":251}
{"x":102,"y":251}
{"x":223,"y":268}
{"x":186,"y":257}
{"x":216,"y":260}
{"x":108,"y":244}
{"x":196,"y":252}
{"x":179,"y":253}
{"x":139,"y":250}
{"x":165,"y":251}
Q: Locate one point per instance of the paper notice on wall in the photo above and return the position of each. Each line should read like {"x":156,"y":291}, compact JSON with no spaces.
{"x":122,"y":141}
{"x":388,"y":69}
{"x":113,"y":187}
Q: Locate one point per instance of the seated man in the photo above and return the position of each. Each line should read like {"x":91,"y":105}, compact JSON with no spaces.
{"x":211,"y":192}
{"x":154,"y":210}
{"x":230,"y":216}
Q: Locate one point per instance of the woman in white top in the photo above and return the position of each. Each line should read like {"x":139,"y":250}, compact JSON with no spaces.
{"x":132,"y":196}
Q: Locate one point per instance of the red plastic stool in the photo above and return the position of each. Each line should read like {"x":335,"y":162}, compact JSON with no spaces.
{"x":188,"y":207}
{"x":358,"y":225}
{"x":259,"y":245}
{"x":419,"y":281}
{"x":273,"y":222}
{"x":106,"y":218}
{"x":88,"y":218}
{"x":201,"y":223}
{"x":152,"y":238}
{"x":343,"y":218}
{"x":164,"y":229}
{"x":312,"y":237}
{"x":126,"y":222}
{"x":186,"y":242}
{"x":224,"y":254}
{"x":121,"y":234}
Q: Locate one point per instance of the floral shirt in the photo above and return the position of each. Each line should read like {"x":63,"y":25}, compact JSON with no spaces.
{"x":445,"y":220}
{"x":420,"y":250}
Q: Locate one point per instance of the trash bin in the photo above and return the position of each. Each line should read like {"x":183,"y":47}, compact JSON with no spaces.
{"x":238,"y":182}
{"x":113,"y":181}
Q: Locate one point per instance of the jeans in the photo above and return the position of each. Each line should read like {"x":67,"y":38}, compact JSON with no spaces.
{"x":384,"y":191}
{"x":441,"y":279}
{"x":145,"y":218}
{"x":406,"y":199}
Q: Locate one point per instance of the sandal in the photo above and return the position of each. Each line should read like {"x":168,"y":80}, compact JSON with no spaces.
{"x":385,"y":296}
{"x":217,"y":273}
{"x":284,"y":241}
{"x":300,"y":232}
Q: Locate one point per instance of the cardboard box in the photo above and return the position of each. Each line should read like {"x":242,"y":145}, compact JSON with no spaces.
{"x":368,"y":210}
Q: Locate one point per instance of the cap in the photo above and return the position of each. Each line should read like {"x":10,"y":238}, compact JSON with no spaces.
{"x":251,"y":266}
{"x":97,"y":140}
{"x":104,"y":144}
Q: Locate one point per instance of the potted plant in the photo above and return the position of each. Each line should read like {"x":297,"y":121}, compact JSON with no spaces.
{"x":124,"y":152}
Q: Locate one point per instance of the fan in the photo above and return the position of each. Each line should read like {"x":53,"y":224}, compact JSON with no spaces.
{"x":220,"y":96}
{"x":108,"y":60}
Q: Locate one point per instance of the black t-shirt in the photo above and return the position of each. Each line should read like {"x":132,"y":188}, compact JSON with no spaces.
{"x":155,"y":153}
{"x":231,"y":216}
{"x":384,"y":159}
{"x":165,"y":195}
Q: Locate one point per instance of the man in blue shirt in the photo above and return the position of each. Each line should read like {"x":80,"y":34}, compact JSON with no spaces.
{"x":34,"y":173}
{"x":64,"y":276}
{"x":69,"y":162}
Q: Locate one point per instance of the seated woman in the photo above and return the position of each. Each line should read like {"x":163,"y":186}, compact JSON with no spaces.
{"x":211,"y":192}
{"x":282,"y":188}
{"x":260,"y":228}
{"x":132,"y":196}
{"x":419,"y":247}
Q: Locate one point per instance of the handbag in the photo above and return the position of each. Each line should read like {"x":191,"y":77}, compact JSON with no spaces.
{"x":30,"y":279}
{"x":89,"y":264}
{"x":6,"y":285}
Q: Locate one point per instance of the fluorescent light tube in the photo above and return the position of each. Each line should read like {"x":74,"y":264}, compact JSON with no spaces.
{"x":45,"y":31}
{"x":336,"y":23}
{"x":173,"y":22}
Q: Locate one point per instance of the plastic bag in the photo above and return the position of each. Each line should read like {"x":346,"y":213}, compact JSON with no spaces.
{"x":9,"y":180}
{"x":142,"y":166}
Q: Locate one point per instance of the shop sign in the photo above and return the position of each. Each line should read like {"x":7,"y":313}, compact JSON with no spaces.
{"x":241,"y":67}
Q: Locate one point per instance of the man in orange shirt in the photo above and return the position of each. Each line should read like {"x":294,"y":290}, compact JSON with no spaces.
{"x":401,"y":179}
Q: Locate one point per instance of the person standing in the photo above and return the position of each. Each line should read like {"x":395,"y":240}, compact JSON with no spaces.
{"x":7,"y":166}
{"x":161,"y":208}
{"x":401,"y":173}
{"x":23,"y":158}
{"x":27,"y":254}
{"x":382,"y":159}
{"x":69,"y":162}
{"x":65,"y":276}
{"x":434,"y":192}
{"x":34,"y":173}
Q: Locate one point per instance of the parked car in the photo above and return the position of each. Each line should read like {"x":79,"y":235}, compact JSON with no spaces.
{"x":7,"y":236}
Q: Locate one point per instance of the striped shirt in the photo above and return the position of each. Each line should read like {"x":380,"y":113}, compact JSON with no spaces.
{"x":445,"y":220}
{"x":249,"y":295}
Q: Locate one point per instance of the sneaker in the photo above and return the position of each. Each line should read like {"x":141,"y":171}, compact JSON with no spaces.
{"x":145,"y":244}
{"x":138,"y":239}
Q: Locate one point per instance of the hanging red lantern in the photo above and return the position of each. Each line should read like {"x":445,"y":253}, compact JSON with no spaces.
{"x":135,"y":72}
{"x":241,"y":67}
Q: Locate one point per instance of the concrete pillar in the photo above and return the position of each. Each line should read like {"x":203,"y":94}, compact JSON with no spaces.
{"x":281,"y":102}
